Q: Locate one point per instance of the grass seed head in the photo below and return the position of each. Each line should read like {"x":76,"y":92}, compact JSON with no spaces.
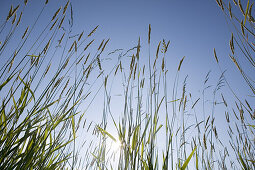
{"x":215,"y":56}
{"x":59,"y":42}
{"x":241,"y":7}
{"x":93,"y":31}
{"x":100,"y":45}
{"x":179,"y":67}
{"x":53,"y":24}
{"x":89,"y":44}
{"x":65,"y":8}
{"x":80,"y":36}
{"x":230,"y":10}
{"x":105,"y":45}
{"x":25,"y":33}
{"x":56,"y":13}
{"x":61,"y":22}
{"x":149,"y":34}
{"x":158,"y":49}
{"x":14,"y":19}
{"x":19,"y":19}
{"x":10,"y":13}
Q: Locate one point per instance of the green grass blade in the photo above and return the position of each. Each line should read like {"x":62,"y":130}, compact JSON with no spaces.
{"x":188,"y":159}
{"x":242,"y":161}
{"x":104,"y":132}
{"x":246,"y":12}
{"x":4,"y":83}
{"x":73,"y":127}
{"x":26,"y":85}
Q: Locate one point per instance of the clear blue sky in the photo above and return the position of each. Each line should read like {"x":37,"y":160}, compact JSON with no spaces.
{"x":193,"y":27}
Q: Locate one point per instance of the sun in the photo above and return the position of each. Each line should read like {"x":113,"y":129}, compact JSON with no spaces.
{"x":116,"y":145}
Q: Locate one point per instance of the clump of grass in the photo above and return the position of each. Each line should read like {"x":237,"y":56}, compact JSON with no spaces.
{"x":40,"y":95}
{"x":149,"y":117}
{"x":241,"y":126}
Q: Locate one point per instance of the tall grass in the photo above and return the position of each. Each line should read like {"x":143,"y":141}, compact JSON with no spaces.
{"x":157,"y":128}
{"x":240,"y":20}
{"x":40,"y":94}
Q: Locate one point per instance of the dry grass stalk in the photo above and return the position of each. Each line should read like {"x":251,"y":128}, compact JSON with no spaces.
{"x":231,"y":44}
{"x":105,"y":81}
{"x":235,"y":2}
{"x":46,"y":47}
{"x":248,"y":105}
{"x":230,"y":10}
{"x":215,"y":55}
{"x":88,"y":70}
{"x":116,"y":70}
{"x":179,"y":67}
{"x":158,"y":49}
{"x":94,"y":30}
{"x":224,"y":101}
{"x":251,"y":19}
{"x":53,"y":24}
{"x":12,"y":61}
{"x":227,"y":117}
{"x":75,"y":46}
{"x":99,"y":63}
{"x":165,"y":46}
{"x":135,"y":71}
{"x":163,"y":64}
{"x":138,"y":49}
{"x":105,"y":45}
{"x":66,"y":62}
{"x":59,"y":42}
{"x":80,"y":36}
{"x":220,"y":3}
{"x":121,"y":66}
{"x":12,"y":12}
{"x":14,"y":19}
{"x":56,"y":13}
{"x":100,"y":45}
{"x":19,"y":19}
{"x":195,"y":103}
{"x":86,"y":59}
{"x":61,"y":22}
{"x":204,"y":141}
{"x":25,"y":33}
{"x":80,"y":60}
{"x":236,"y":63}
{"x":241,"y":7}
{"x":89,"y":44}
{"x":65,"y":8}
{"x":15,"y":10}
{"x":47,"y":69}
{"x":149,"y":34}
{"x":70,"y":49}
{"x":242,"y":28}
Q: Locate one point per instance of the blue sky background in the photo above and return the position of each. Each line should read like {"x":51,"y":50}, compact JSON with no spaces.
{"x":194,"y":28}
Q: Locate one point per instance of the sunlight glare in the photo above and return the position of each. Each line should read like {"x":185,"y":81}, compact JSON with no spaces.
{"x":116,"y":145}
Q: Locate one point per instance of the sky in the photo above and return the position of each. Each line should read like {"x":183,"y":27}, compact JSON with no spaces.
{"x":194,"y":28}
